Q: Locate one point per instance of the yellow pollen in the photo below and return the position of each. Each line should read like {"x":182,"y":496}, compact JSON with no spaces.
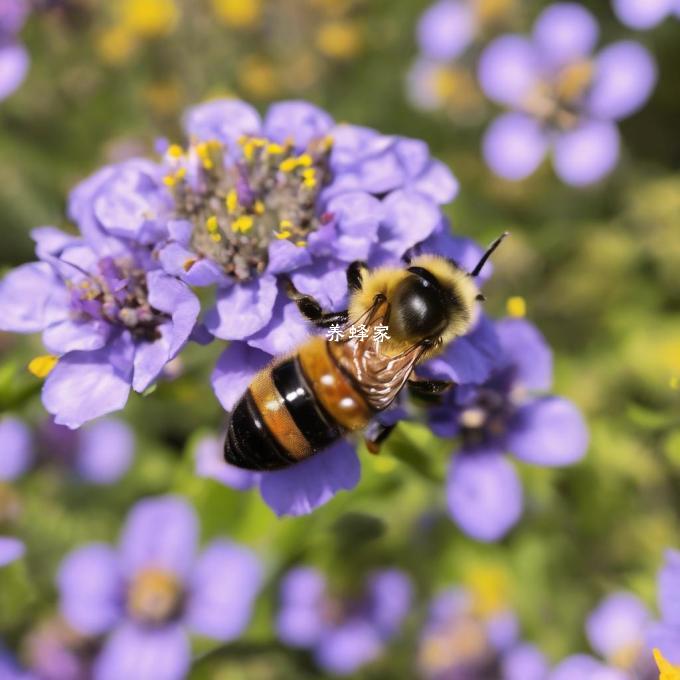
{"x":305,"y":160}
{"x":216,"y":237}
{"x":232,"y":201}
{"x":275,"y":149}
{"x":489,"y":586}
{"x":42,"y":366}
{"x":282,"y":234}
{"x":285,"y":224}
{"x":288,"y":165}
{"x":175,"y":151}
{"x":149,"y":18}
{"x":181,"y":173}
{"x":258,"y":208}
{"x":516,"y":307}
{"x":243,"y":224}
{"x":667,"y":670}
{"x":300,"y":244}
{"x":169,"y":181}
{"x":203,"y":151}
{"x":211,"y":224}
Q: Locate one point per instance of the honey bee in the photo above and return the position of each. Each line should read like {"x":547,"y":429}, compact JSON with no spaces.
{"x":326,"y":388}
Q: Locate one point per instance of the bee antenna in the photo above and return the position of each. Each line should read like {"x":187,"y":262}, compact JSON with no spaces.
{"x":488,"y":253}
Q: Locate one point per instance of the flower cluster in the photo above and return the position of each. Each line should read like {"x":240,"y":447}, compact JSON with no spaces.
{"x":14,"y":59}
{"x":449,"y":35}
{"x":617,"y":630}
{"x":471,"y":633}
{"x":143,"y":597}
{"x":508,"y":412}
{"x":344,"y":633}
{"x":561,"y":97}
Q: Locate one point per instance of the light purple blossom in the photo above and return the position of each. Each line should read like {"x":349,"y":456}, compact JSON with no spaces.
{"x":509,"y":412}
{"x":17,"y":448}
{"x":665,"y":634}
{"x":14,"y":59}
{"x":112,"y":318}
{"x":10,"y":669}
{"x":343,"y":633}
{"x":459,"y":642}
{"x":11,"y":549}
{"x":155,"y":587}
{"x":561,"y":97}
{"x":645,"y":14}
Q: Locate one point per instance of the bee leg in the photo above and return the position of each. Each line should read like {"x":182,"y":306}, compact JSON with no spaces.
{"x":312,"y":310}
{"x":429,"y":390}
{"x":355,"y":275}
{"x":376,"y":434}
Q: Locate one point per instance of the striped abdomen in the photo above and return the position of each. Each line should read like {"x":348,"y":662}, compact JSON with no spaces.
{"x":294,"y":409}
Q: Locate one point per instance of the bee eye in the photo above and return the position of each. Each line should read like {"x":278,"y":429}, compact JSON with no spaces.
{"x":418,"y":309}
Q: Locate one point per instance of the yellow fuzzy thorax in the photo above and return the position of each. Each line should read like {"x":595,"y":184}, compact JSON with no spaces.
{"x":386,"y":279}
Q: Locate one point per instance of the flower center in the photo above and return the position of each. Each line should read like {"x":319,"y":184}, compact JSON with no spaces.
{"x":10,"y":506}
{"x":118,"y":294}
{"x":237,"y":207}
{"x":154,"y":596}
{"x":486,"y":418}
{"x":556,"y":102}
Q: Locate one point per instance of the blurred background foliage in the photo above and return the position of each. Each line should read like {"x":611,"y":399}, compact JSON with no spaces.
{"x":598,"y":270}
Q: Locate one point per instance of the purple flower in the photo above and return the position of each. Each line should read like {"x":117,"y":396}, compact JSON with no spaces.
{"x":112,"y":319}
{"x":584,"y":667}
{"x":617,"y":631}
{"x":14,"y":59}
{"x":343,"y":633}
{"x":561,"y":97}
{"x":665,"y":634}
{"x":147,"y":594}
{"x":10,"y":669}
{"x":507,"y":413}
{"x":11,"y":549}
{"x":468,"y":637}
{"x":644,"y":14}
{"x":17,"y":448}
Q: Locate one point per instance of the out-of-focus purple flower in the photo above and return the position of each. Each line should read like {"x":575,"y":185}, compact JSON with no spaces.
{"x":112,"y":318}
{"x":665,"y":634}
{"x":10,"y":669}
{"x":561,"y":97}
{"x":54,"y":651}
{"x":14,"y":59}
{"x":343,"y":633}
{"x":469,"y":636}
{"x":17,"y":448}
{"x":645,"y":14}
{"x":11,"y":549}
{"x":509,"y":412}
{"x":617,"y":631}
{"x":441,"y":77}
{"x":147,"y":594}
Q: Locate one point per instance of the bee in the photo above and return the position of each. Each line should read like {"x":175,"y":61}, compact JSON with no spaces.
{"x":327,"y":388}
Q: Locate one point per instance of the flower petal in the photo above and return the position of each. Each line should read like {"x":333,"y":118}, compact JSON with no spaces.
{"x":446,"y":29}
{"x":243,"y":309}
{"x":391,"y":593}
{"x":524,"y":662}
{"x":642,"y":14}
{"x":286,"y":329}
{"x":28,"y":296}
{"x":234,"y":370}
{"x":86,"y":385}
{"x":298,"y":120}
{"x":584,"y":667}
{"x":586,"y":154}
{"x":136,"y":653}
{"x":344,"y":649}
{"x":11,"y":549}
{"x":223,"y":119}
{"x":90,"y":589}
{"x":514,"y":145}
{"x":618,"y":624}
{"x":526,"y":349}
{"x":300,"y":621}
{"x":69,"y":336}
{"x":625,"y":76}
{"x":14,"y":63}
{"x":667,"y":639}
{"x":17,"y":448}
{"x":508,"y":70}
{"x":326,"y":281}
{"x":549,"y":431}
{"x":219,"y":607}
{"x":160,"y":533}
{"x":484,"y":494}
{"x":565,"y":32}
{"x":105,"y":450}
{"x":669,"y":588}
{"x":305,"y":486}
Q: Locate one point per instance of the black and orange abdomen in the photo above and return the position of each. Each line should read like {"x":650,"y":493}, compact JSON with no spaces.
{"x":294,"y":409}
